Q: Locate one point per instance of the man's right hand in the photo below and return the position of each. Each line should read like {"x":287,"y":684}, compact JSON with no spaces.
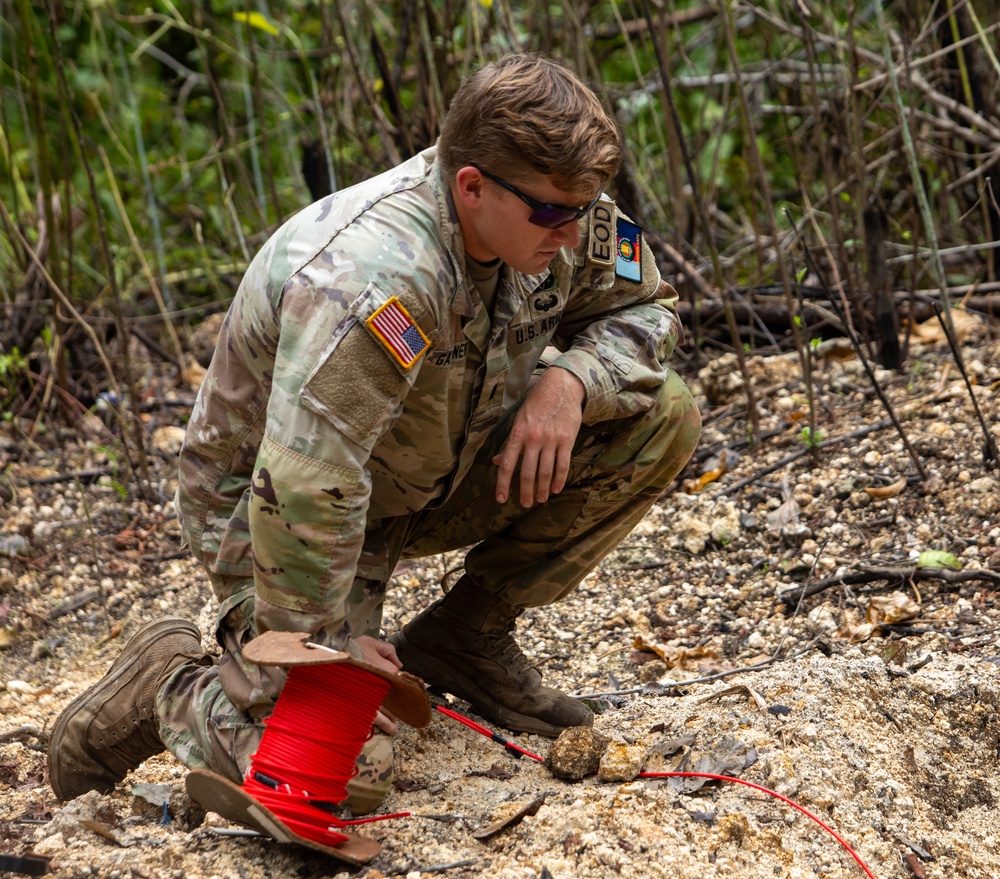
{"x":382,"y":655}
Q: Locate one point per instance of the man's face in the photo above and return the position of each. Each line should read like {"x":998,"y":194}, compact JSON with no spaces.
{"x":501,"y":225}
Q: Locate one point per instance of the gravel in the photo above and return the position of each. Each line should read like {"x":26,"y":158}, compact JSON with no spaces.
{"x":872,"y":704}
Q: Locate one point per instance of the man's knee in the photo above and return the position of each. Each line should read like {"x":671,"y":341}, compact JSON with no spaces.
{"x":373,"y":780}
{"x":652,"y":447}
{"x":678,"y":417}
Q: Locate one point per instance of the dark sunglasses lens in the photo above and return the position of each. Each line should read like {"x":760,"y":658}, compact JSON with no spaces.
{"x":553,"y":218}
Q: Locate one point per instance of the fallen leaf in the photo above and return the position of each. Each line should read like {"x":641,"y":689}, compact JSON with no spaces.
{"x":892,"y":608}
{"x":886,"y":491}
{"x":671,"y":746}
{"x":501,"y":773}
{"x":727,"y":757}
{"x":407,"y":785}
{"x":838,"y":349}
{"x":518,"y":816}
{"x":853,"y":631}
{"x":691,"y":486}
{"x":193,"y":374}
{"x":894,"y":653}
{"x":914,"y":863}
{"x":786,"y":513}
{"x":931,"y":333}
{"x":674,"y":657}
{"x":713,"y":468}
{"x":936,"y":558}
{"x":739,"y":688}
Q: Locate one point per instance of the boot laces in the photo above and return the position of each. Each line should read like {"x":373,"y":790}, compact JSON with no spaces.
{"x":506,"y":650}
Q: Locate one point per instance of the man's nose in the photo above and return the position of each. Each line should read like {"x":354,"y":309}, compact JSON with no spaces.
{"x":568,"y":235}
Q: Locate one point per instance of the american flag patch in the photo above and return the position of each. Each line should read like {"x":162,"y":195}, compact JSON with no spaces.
{"x":394,"y":328}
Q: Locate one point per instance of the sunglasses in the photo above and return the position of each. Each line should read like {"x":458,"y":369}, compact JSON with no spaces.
{"x":548,"y":216}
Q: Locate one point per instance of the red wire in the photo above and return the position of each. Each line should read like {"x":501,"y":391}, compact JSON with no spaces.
{"x":773,"y":793}
{"x":319,"y":726}
{"x":482,"y":730}
{"x":310,"y":746}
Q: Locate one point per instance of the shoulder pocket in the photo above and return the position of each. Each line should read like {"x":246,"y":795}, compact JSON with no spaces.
{"x":359,"y":382}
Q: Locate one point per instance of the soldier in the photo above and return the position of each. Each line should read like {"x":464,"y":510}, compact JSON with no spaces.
{"x":468,"y":349}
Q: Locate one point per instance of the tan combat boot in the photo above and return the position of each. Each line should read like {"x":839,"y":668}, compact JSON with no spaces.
{"x":112,"y":727}
{"x":463,"y":644}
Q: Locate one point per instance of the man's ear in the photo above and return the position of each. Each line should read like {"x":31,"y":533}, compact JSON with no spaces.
{"x":469,"y":184}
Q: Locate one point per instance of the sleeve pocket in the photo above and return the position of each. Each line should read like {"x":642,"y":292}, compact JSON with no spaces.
{"x":357,"y":386}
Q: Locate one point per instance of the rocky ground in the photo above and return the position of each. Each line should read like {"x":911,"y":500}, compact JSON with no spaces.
{"x":870,"y":701}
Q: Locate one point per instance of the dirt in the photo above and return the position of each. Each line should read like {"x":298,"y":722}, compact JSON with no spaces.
{"x":871,"y":704}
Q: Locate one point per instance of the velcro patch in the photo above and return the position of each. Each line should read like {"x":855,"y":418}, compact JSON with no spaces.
{"x":600,"y":243}
{"x":628,"y":264}
{"x":398,"y":332}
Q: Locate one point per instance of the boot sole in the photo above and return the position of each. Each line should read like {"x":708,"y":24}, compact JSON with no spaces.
{"x":433,"y":671}
{"x":162,"y":628}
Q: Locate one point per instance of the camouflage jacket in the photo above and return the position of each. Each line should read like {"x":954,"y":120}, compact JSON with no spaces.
{"x":357,"y":373}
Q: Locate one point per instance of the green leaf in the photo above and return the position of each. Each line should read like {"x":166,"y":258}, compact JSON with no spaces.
{"x":255,"y":19}
{"x":936,"y":558}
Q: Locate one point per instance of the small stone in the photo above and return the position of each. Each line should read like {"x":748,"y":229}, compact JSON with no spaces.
{"x":49,"y":846}
{"x":621,"y":762}
{"x":39,"y":650}
{"x":983,"y":485}
{"x":576,"y":753}
{"x":795,"y":534}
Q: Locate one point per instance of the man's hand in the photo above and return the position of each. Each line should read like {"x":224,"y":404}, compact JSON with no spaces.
{"x":381,"y":654}
{"x":542,"y":438}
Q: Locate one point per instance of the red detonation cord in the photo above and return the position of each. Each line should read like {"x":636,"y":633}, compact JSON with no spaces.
{"x":517,"y":751}
{"x":311,"y":741}
{"x":319,"y":726}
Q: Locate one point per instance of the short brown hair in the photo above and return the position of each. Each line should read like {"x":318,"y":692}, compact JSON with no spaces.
{"x":528,"y":111}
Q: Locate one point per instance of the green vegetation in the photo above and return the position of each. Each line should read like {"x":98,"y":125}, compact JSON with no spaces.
{"x":147,"y":152}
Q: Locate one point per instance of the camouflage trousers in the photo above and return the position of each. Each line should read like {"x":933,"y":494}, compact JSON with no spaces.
{"x":213,"y":717}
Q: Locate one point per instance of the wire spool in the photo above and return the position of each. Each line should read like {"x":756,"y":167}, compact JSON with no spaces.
{"x":310,"y":745}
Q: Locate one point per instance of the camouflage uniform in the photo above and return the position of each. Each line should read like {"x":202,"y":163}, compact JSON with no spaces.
{"x":318,"y":455}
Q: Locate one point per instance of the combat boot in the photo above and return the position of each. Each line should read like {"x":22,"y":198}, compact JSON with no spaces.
{"x":463,"y":644}
{"x":112,"y":727}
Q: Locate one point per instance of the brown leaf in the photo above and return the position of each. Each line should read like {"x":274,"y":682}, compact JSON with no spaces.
{"x":691,"y":486}
{"x":892,"y":608}
{"x":407,"y":785}
{"x":914,"y":863}
{"x":522,"y":813}
{"x":727,"y":757}
{"x":853,"y":630}
{"x":674,"y":657}
{"x":496,"y":771}
{"x":930,"y":331}
{"x":742,"y":689}
{"x":885,"y":491}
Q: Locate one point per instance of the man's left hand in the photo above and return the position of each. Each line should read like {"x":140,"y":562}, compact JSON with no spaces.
{"x":542,"y":438}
